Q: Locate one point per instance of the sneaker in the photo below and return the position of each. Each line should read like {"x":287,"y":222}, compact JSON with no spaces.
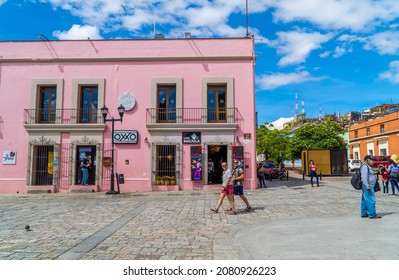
{"x":365,"y":216}
{"x":376,"y":217}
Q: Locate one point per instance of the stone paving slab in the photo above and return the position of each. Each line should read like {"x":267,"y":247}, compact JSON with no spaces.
{"x":179,"y":225}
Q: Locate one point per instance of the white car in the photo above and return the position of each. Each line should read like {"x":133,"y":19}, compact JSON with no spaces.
{"x":354,"y":164}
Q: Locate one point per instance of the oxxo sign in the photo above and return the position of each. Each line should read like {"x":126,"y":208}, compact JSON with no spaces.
{"x":125,"y":136}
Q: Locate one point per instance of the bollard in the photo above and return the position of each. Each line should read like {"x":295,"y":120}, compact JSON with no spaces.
{"x":303,"y":175}
{"x":320,"y":176}
{"x":287,"y":175}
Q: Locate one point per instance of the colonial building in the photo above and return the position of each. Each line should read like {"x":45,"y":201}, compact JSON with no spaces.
{"x":378,"y":136}
{"x":186,"y":102}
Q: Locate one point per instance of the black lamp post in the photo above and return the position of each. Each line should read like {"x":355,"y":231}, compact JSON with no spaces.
{"x":104,"y":112}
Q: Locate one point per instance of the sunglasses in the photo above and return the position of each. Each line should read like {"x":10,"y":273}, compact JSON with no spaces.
{"x":224,"y":164}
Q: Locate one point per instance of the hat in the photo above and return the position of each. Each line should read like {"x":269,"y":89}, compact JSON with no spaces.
{"x":369,"y":157}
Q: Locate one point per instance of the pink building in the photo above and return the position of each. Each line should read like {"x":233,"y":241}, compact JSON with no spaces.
{"x":187,"y":102}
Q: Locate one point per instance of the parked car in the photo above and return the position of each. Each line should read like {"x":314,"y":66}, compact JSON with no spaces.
{"x":354,"y":164}
{"x":270,"y":169}
{"x":269,"y":166}
{"x":380,"y":160}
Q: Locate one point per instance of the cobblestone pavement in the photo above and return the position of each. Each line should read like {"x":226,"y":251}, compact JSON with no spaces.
{"x":169,"y":225}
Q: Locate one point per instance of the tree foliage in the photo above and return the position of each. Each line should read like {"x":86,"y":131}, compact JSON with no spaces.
{"x":324,"y":136}
{"x":273,"y":143}
{"x":282,"y":144}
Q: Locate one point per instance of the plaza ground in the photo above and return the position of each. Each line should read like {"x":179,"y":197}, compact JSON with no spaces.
{"x":291,"y":220}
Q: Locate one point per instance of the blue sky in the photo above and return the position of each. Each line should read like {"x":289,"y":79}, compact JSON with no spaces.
{"x":337,"y":55}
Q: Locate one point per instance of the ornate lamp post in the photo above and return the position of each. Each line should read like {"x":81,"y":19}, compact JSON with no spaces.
{"x":104,"y":112}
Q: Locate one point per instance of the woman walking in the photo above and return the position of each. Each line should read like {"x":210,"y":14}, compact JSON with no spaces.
{"x":227,"y":189}
{"x":313,"y":173}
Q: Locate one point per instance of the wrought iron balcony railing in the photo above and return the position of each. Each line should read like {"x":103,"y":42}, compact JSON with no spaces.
{"x":191,"y":115}
{"x":62,"y":116}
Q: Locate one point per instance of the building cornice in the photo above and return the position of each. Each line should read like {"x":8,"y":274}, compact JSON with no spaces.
{"x":124,"y":59}
{"x":65,"y":127}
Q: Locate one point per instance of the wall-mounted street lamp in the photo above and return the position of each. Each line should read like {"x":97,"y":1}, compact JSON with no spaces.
{"x":104,"y":112}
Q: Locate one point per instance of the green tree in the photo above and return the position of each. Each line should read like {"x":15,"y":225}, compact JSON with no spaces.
{"x":310,"y":136}
{"x":273,"y":143}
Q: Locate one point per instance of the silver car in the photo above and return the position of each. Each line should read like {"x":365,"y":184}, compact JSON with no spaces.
{"x":354,"y":164}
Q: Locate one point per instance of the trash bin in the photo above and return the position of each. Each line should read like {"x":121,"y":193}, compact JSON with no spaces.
{"x":121,"y":179}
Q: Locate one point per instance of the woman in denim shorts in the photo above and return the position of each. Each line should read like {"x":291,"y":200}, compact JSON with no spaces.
{"x":238,"y":178}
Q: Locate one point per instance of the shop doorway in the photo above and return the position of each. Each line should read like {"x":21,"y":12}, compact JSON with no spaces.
{"x":216,"y":154}
{"x":90,"y":151}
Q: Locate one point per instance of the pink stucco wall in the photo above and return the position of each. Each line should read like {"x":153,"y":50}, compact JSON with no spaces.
{"x":126,"y":66}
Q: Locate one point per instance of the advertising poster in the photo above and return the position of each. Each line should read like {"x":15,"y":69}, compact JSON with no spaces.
{"x":196,"y":163}
{"x":9,"y":157}
{"x":238,"y":154}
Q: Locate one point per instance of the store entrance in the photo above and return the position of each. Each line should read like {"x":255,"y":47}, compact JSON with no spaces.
{"x":90,"y":151}
{"x":216,"y":155}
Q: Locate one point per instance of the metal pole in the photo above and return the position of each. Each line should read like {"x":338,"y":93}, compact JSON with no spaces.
{"x":246,"y":16}
{"x":104,"y":112}
{"x":112,"y":191}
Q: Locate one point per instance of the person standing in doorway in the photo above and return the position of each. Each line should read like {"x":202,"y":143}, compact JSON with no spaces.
{"x":211,"y":170}
{"x":313,"y":173}
{"x":368,"y":197}
{"x":238,"y":179}
{"x":85,"y":170}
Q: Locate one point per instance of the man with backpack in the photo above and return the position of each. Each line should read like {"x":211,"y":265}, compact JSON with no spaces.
{"x":369,"y":179}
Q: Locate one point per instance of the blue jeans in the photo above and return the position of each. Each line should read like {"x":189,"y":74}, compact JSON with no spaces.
{"x":386,"y":186}
{"x":85,"y":176}
{"x":394,"y":183}
{"x":314,"y":174}
{"x":368,"y":202}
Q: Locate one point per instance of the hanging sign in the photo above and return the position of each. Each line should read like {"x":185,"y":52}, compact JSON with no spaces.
{"x":191,"y":137}
{"x":125,"y":136}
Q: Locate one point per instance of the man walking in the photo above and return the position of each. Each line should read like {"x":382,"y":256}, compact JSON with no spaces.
{"x":368,"y":181}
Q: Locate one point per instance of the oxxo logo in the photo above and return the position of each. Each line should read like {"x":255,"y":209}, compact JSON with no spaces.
{"x":125,"y":137}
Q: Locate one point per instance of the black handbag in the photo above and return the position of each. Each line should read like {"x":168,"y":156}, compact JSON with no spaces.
{"x":377,"y":187}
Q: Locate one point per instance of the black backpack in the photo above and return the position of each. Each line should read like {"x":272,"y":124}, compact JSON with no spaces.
{"x":356,"y":180}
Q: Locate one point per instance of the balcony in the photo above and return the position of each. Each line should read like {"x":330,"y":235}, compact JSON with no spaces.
{"x":63,"y":119}
{"x":192,"y":118}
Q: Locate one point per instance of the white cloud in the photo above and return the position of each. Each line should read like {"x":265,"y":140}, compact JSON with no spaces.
{"x":392,"y":75}
{"x":78,"y":32}
{"x":202,"y":17}
{"x":325,"y":54}
{"x":339,"y":51}
{"x":384,"y":42}
{"x":295,"y":46}
{"x":272,"y":81}
{"x":2,"y":2}
{"x":355,"y":15}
